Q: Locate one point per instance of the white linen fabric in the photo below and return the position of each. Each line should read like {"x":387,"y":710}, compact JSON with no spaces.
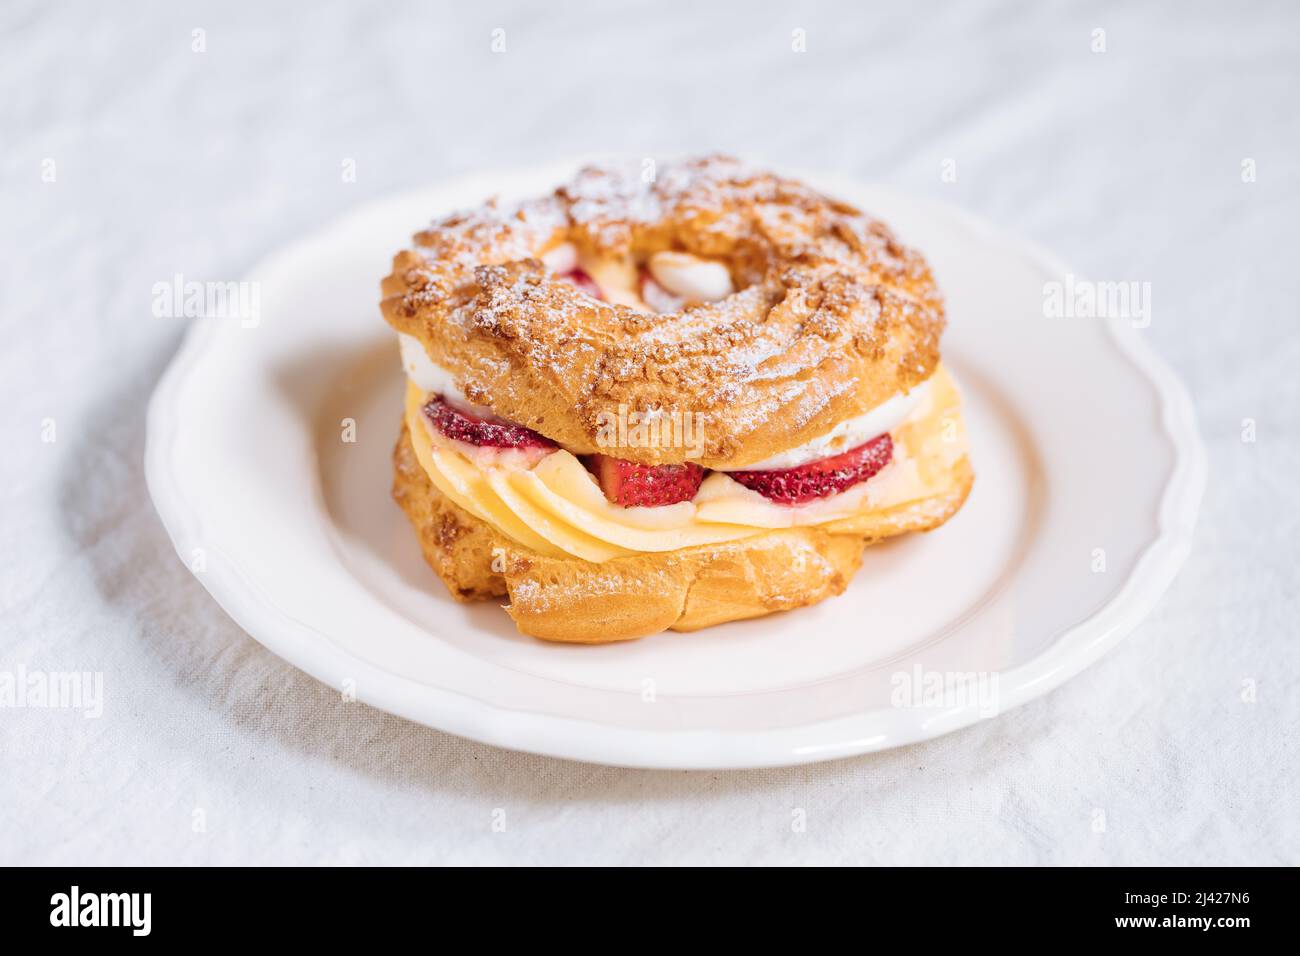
{"x":145,"y":140}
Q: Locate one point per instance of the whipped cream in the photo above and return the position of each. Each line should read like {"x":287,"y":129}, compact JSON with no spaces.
{"x":562,"y":258}
{"x":421,"y":370}
{"x":848,"y":434}
{"x":691,"y":278}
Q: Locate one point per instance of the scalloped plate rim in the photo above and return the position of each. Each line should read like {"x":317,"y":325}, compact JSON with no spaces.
{"x":588,"y":740}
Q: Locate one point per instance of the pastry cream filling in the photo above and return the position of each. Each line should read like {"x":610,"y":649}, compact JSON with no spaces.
{"x":553,"y":505}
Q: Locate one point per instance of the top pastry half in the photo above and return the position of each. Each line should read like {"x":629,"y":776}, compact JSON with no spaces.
{"x":776,"y":322}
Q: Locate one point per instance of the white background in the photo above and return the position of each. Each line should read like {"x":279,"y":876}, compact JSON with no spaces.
{"x":1127,"y":164}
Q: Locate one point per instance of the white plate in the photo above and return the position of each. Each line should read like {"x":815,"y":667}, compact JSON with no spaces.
{"x":1084,"y":447}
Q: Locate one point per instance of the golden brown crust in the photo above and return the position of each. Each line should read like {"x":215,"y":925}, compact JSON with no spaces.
{"x":458,"y":546}
{"x":833,"y":315}
{"x":576,"y":601}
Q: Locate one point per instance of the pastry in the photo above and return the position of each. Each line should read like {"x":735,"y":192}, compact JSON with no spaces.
{"x":650,"y":402}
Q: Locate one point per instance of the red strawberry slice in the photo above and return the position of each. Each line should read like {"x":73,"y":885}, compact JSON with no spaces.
{"x":629,"y":484}
{"x":583,"y":282}
{"x":818,"y":479}
{"x":461,"y":425}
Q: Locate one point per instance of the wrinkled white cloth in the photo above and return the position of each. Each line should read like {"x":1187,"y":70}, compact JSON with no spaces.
{"x":129,"y":155}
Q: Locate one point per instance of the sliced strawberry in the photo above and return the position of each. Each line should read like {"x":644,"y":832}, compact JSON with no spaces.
{"x":460,"y":425}
{"x":820,"y":478}
{"x":629,"y":484}
{"x":579,"y":279}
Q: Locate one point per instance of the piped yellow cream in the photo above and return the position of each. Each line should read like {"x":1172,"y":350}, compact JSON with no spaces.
{"x":554,"y":506}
